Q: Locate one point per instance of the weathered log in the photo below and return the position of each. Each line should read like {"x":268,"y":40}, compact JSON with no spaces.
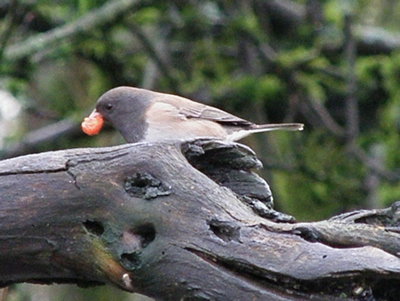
{"x":142,"y":217}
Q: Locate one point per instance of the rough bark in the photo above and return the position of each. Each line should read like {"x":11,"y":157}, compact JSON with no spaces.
{"x":159,"y":219}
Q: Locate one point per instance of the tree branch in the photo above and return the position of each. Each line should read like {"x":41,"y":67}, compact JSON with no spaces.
{"x":105,"y":14}
{"x":9,"y":26}
{"x":155,"y":53}
{"x":30,"y":142}
{"x":351,"y":107}
{"x":141,"y":217}
{"x":286,"y":16}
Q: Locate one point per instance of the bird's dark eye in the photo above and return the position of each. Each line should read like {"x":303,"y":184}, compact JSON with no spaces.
{"x":109,"y":107}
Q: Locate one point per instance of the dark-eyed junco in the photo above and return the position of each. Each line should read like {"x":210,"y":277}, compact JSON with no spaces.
{"x":143,"y":115}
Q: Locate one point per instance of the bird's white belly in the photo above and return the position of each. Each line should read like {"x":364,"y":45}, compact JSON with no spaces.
{"x":185,"y":130}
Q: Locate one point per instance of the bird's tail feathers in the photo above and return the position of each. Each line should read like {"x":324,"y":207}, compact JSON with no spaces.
{"x":258,"y":128}
{"x":277,"y":127}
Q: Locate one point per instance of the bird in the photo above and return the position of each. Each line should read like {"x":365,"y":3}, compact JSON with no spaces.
{"x":142,"y":115}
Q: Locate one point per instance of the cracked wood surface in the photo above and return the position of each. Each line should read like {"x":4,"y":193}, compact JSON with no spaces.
{"x":141,"y":217}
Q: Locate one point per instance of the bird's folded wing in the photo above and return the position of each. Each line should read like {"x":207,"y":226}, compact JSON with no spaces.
{"x":213,"y":114}
{"x":191,"y":109}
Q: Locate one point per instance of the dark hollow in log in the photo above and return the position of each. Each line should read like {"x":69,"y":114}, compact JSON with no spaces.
{"x":183,"y":221}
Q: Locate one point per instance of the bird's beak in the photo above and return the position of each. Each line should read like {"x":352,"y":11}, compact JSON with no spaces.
{"x":92,"y":125}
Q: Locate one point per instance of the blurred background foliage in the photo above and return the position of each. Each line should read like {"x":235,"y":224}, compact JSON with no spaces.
{"x":333,"y":65}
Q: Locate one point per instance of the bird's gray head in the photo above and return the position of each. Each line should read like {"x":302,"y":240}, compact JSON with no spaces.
{"x":125,"y":108}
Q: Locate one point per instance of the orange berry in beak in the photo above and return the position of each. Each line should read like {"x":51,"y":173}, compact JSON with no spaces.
{"x":92,"y":125}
